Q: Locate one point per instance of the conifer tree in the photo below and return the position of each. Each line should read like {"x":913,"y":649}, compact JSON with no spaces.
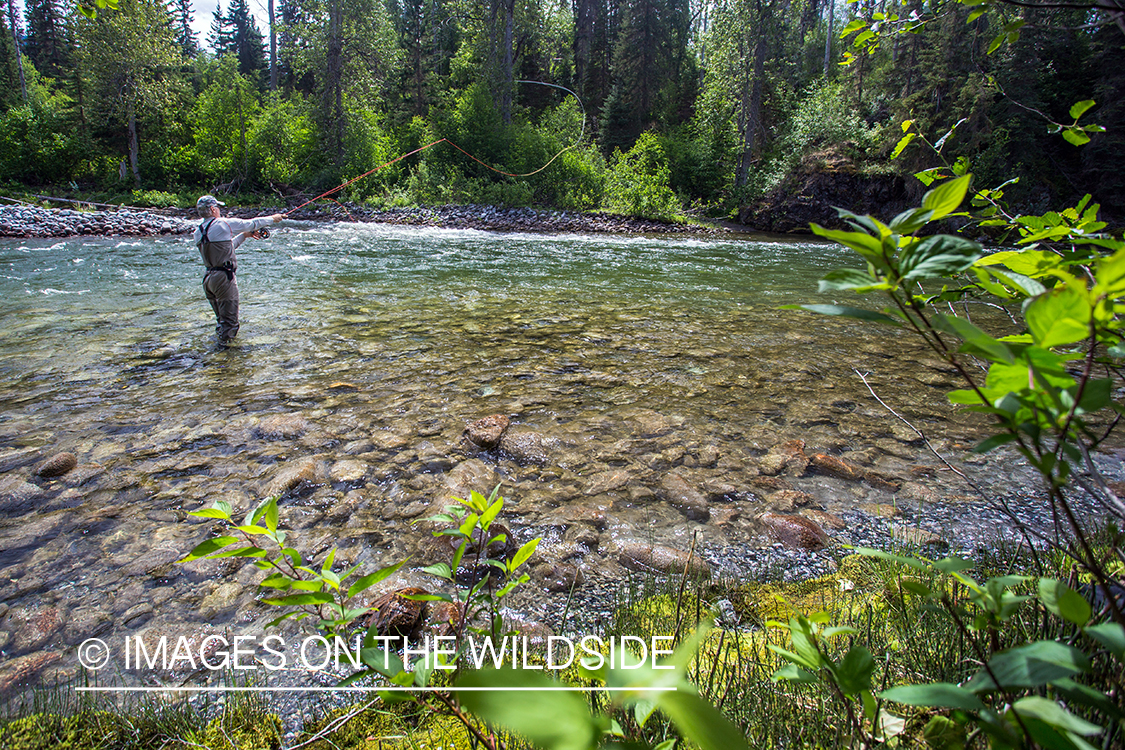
{"x":48,"y":44}
{"x":185,"y":37}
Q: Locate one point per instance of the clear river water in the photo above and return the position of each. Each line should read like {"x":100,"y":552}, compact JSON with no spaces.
{"x":652,"y":384}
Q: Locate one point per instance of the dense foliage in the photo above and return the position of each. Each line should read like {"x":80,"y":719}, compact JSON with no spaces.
{"x":681,"y":103}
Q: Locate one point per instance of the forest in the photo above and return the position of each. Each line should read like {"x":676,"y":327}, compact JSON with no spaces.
{"x":679,"y":106}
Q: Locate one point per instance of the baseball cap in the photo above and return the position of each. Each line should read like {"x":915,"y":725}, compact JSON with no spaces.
{"x":206,"y":201}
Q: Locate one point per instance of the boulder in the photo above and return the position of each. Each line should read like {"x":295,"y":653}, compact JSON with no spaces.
{"x":825,"y":180}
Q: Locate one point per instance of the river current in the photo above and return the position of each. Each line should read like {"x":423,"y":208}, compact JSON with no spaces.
{"x":640,"y":371}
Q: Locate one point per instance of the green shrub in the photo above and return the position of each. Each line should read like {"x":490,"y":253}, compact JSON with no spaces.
{"x":282,"y":140}
{"x":154,"y":199}
{"x":638,"y":181}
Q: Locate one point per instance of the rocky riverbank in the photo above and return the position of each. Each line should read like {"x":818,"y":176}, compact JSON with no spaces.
{"x":34,"y":221}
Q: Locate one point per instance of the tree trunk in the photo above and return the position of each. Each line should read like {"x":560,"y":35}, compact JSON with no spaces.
{"x":134,"y":147}
{"x":831,"y":5}
{"x":273,"y":49}
{"x":242,"y":132}
{"x":16,"y":44}
{"x":333,"y":85}
{"x":750,"y":114}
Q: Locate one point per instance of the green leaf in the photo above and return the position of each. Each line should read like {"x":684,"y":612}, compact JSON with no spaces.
{"x":903,"y":142}
{"x":994,"y":442}
{"x":846,"y":312}
{"x":1111,"y":635}
{"x":441,"y":570}
{"x":940,"y":255}
{"x":490,"y":514}
{"x":976,"y":340}
{"x":871,"y":248}
{"x":523,"y":553}
{"x":300,"y":600}
{"x":934,"y":695}
{"x":556,"y":720}
{"x":699,"y":722}
{"x":1031,"y":665}
{"x":910,"y":562}
{"x":952,"y":565}
{"x":362,"y":584}
{"x":794,"y":673}
{"x":1059,"y":317}
{"x":272,"y":515}
{"x":1080,"y":108}
{"x":853,"y":674}
{"x":210,"y":546}
{"x":850,"y":279}
{"x":911,"y":220}
{"x":213,"y":512}
{"x":1076,"y":136}
{"x":1075,"y":692}
{"x":1052,"y":713}
{"x":947,"y":197}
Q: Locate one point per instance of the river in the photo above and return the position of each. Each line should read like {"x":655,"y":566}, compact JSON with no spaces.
{"x":654,"y":382}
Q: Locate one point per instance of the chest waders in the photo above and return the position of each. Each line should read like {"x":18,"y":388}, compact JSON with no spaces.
{"x":219,"y":284}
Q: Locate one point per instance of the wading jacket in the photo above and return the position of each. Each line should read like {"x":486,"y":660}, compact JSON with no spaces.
{"x":223,"y":235}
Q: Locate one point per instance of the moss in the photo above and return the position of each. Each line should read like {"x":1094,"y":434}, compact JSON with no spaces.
{"x":400,"y":729}
{"x":857,"y":584}
{"x":244,"y":731}
{"x":46,"y":731}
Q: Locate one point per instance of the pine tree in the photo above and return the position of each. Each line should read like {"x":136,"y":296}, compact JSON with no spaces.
{"x":247,"y":41}
{"x":185,"y":37}
{"x":48,"y":44}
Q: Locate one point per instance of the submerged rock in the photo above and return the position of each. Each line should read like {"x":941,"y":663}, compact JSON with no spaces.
{"x":486,"y":432}
{"x":296,"y":476}
{"x":794,"y":531}
{"x":467,"y":476}
{"x":23,"y":668}
{"x":841,"y":469}
{"x":646,"y":557}
{"x":56,"y":465}
{"x":684,"y":498}
{"x":17,"y":495}
{"x":524,"y":447}
{"x":788,"y":457}
{"x":282,"y":427}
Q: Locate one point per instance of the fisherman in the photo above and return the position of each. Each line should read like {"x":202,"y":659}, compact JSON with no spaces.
{"x":217,"y":238}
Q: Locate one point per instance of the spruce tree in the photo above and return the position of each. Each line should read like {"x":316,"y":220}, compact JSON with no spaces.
{"x":48,"y":43}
